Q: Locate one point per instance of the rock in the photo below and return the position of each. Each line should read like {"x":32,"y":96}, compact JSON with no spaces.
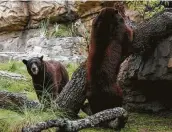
{"x":18,"y":15}
{"x":87,"y":10}
{"x":146,"y":82}
{"x":13,"y":15}
{"x":33,"y":43}
{"x":170,"y":63}
{"x":56,"y":11}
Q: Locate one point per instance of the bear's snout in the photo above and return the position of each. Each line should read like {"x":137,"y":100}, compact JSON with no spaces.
{"x":34,"y":69}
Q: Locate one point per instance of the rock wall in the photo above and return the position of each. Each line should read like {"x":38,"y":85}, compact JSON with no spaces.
{"x":17,"y":15}
{"x":22,"y":36}
{"x":21,"y":21}
{"x":18,"y":45}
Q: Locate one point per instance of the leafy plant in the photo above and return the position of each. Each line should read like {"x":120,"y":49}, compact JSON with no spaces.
{"x":58,"y":30}
{"x":71,"y":67}
{"x":146,"y":8}
{"x":44,"y":27}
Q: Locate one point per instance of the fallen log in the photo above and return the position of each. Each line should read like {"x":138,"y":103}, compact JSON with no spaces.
{"x":16,"y":101}
{"x":88,"y":122}
{"x":73,"y":95}
{"x":148,"y":33}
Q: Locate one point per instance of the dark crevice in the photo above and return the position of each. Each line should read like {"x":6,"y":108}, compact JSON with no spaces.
{"x":155,"y":91}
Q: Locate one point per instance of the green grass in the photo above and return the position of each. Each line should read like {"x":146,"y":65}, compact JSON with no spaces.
{"x":11,"y":121}
{"x":59,"y":30}
{"x":14,"y":66}
{"x":142,"y":123}
{"x":71,"y":68}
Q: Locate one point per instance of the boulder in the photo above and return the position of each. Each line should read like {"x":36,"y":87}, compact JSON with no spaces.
{"x":13,"y":15}
{"x":146,"y":78}
{"x":19,"y":15}
{"x":55,"y":11}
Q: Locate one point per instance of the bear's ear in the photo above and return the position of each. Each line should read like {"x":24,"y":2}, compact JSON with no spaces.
{"x":24,"y":61}
{"x":41,"y":58}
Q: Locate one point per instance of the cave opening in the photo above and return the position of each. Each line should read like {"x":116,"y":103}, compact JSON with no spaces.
{"x":160,"y":91}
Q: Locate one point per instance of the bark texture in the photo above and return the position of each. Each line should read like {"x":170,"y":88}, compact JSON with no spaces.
{"x":150,"y":32}
{"x":73,"y":126}
{"x":146,"y":75}
{"x":16,"y":101}
{"x":73,"y":95}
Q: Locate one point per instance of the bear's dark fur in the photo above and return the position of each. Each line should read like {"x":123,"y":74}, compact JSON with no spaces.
{"x":110,"y":40}
{"x":48,"y":77}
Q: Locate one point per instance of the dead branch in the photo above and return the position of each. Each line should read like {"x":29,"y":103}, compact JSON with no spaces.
{"x":72,"y":126}
{"x":16,"y":101}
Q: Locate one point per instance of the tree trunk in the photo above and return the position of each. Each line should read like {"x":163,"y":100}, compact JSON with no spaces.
{"x":73,"y":95}
{"x":146,"y":77}
{"x":148,"y":33}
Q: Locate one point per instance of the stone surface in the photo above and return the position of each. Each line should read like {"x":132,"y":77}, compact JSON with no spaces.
{"x":20,"y":18}
{"x":13,"y":15}
{"x":56,"y":11}
{"x":146,"y":78}
{"x":33,"y":43}
{"x":88,"y":10}
{"x":18,"y":15}
{"x":147,"y":84}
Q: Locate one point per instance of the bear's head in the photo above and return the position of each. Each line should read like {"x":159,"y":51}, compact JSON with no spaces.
{"x":34,"y":65}
{"x":106,"y":25}
{"x":109,"y":27}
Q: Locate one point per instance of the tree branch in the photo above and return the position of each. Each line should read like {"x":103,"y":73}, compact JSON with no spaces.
{"x":72,"y":126}
{"x":16,"y":101}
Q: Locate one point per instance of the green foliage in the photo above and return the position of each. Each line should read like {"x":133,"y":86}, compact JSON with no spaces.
{"x":11,"y":121}
{"x":44,"y":27}
{"x":17,"y":85}
{"x":14,"y":66}
{"x":61,"y":31}
{"x":58,"y":30}
{"x":71,"y":67}
{"x":146,"y":8}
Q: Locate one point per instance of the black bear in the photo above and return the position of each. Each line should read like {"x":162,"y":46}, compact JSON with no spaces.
{"x":48,"y":77}
{"x":110,"y":40}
